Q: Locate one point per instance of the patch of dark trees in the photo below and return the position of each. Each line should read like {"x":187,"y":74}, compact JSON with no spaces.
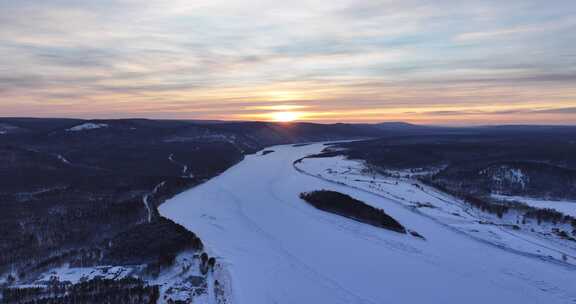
{"x":95,"y":291}
{"x":485,"y":206}
{"x":266,"y":152}
{"x":537,"y":179}
{"x":346,"y":206}
{"x":54,"y":212}
{"x":158,"y":241}
{"x":545,"y":145}
{"x":41,"y":233}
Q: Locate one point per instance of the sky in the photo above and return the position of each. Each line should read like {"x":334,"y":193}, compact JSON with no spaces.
{"x":447,"y":62}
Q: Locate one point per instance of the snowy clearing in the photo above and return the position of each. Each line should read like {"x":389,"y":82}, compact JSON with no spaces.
{"x":87,"y":126}
{"x":566,"y":207}
{"x":79,"y":274}
{"x":278,"y":249}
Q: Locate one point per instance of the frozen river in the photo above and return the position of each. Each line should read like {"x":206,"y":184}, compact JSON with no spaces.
{"x":278,"y":249}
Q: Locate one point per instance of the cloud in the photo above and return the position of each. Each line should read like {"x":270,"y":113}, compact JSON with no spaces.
{"x":220,"y":59}
{"x":569,"y":110}
{"x":518,"y":30}
{"x":566,"y":110}
{"x":282,"y":107}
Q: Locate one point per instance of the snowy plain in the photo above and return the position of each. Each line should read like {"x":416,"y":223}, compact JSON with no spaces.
{"x":278,"y":249}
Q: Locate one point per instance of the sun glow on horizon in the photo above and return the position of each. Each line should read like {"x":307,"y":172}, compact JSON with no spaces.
{"x":285,"y":116}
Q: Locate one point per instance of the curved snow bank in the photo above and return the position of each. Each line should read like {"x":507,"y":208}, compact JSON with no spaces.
{"x":279,"y":249}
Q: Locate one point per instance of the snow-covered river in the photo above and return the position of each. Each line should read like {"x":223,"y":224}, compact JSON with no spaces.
{"x":278,"y":249}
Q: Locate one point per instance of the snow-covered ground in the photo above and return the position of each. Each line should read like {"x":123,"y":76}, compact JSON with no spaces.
{"x":278,"y":249}
{"x":87,"y":126}
{"x":530,"y":239}
{"x":63,"y":159}
{"x":7,"y":129}
{"x":183,"y":281}
{"x":79,"y":274}
{"x":566,"y":207}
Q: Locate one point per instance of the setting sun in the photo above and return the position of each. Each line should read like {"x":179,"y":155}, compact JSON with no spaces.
{"x":285,"y":116}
